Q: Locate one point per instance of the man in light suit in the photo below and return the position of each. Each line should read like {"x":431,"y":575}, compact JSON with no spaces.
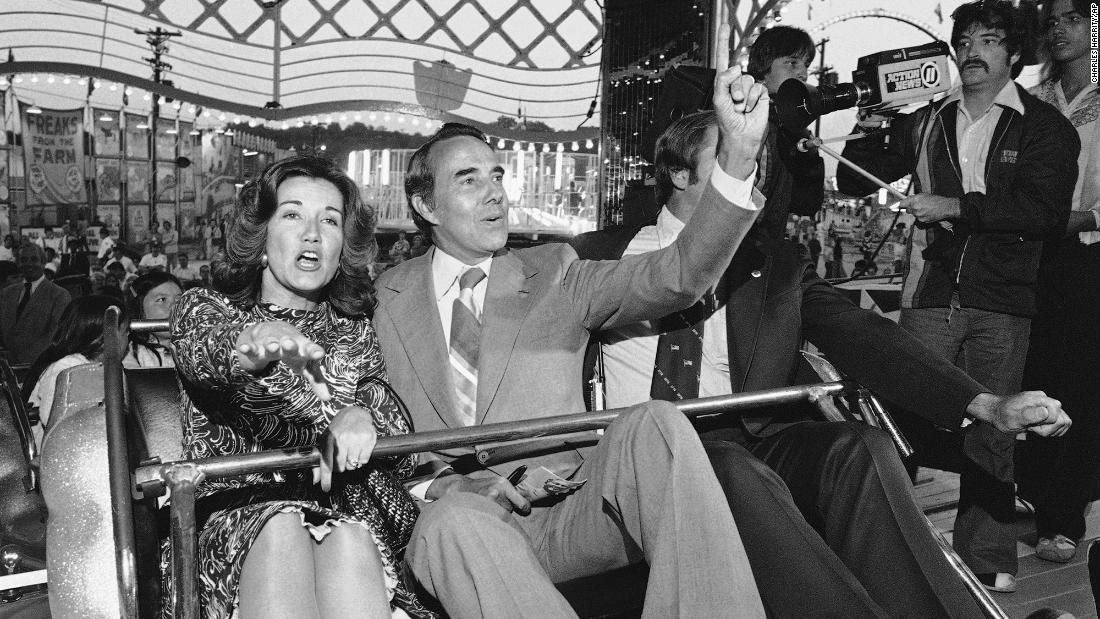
{"x":649,"y":494}
{"x":30,"y":310}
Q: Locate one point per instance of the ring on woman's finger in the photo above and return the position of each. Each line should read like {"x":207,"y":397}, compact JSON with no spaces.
{"x":353,"y":463}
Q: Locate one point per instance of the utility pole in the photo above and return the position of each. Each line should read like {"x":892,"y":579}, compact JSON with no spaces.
{"x":157,"y":38}
{"x":275,"y":6}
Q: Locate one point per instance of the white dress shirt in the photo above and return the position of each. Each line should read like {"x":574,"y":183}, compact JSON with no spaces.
{"x":34,"y":285}
{"x":446,"y":270}
{"x":106,"y":245}
{"x":151,"y":261}
{"x":630,"y":351}
{"x":973,"y":135}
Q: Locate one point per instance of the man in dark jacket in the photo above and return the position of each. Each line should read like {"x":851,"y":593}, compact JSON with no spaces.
{"x":993,"y":173}
{"x":746,"y":337}
{"x":793,"y":180}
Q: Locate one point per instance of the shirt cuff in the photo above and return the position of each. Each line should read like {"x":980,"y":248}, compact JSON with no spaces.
{"x":1096,"y":216}
{"x":733,"y":189}
{"x":420,"y":489}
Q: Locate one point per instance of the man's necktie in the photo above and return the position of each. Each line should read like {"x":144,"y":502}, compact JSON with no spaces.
{"x":465,"y":342}
{"x":23,"y":301}
{"x":678,"y":363}
{"x":679,"y":353}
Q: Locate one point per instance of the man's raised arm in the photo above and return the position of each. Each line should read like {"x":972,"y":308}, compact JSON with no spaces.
{"x":653,"y":285}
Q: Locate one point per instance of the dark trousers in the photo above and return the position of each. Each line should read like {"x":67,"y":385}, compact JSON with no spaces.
{"x":831,"y":527}
{"x":1059,"y":475}
{"x":991,"y":348}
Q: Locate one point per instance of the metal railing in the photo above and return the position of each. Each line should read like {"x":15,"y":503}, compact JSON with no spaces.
{"x":181,"y":478}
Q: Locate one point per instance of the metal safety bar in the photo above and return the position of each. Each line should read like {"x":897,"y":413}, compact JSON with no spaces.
{"x":182,"y":477}
{"x":148,"y":326}
{"x":118,"y":469}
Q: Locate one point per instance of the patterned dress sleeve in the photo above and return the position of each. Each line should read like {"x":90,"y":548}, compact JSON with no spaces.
{"x":204,"y":327}
{"x":375,"y":395}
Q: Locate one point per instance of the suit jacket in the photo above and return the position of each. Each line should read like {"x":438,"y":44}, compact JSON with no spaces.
{"x":540,"y":306}
{"x":28,"y":336}
{"x":776,"y":299}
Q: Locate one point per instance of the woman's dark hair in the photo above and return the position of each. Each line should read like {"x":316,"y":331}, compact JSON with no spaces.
{"x":135,"y":299}
{"x":80,"y":330}
{"x":778,"y":42}
{"x":236,"y":273}
{"x":995,"y":15}
{"x":141,"y":287}
{"x":1053,"y":70}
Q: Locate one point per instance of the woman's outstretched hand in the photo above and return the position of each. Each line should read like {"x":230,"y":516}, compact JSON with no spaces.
{"x":267,"y":342}
{"x":346,"y":445}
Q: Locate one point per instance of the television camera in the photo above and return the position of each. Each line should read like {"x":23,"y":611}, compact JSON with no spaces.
{"x":882,"y":81}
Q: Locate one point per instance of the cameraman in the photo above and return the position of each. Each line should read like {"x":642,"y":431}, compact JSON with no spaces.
{"x":793,"y":181}
{"x":993,"y":170}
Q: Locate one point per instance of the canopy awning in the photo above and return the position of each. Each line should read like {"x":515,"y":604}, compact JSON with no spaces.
{"x":443,"y":59}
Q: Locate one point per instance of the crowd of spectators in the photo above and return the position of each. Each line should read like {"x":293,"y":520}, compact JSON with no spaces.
{"x":54,"y":291}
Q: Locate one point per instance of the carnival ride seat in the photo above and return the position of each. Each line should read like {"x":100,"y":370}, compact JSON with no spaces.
{"x":78,"y":488}
{"x":22,"y":511}
{"x":105,"y":529}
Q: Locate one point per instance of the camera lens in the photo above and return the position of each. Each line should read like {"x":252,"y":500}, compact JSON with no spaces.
{"x":841,"y":97}
{"x":797,"y":103}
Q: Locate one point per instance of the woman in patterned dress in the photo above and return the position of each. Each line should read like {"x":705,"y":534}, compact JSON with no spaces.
{"x":282,"y":354}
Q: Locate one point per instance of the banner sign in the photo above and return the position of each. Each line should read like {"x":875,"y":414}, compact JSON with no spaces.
{"x":137,"y":136}
{"x":110,"y":215}
{"x":137,"y":181}
{"x":166,"y":139}
{"x":186,"y":140}
{"x":108,"y":177}
{"x":53,"y":147}
{"x":166,"y":181}
{"x":108,"y":133}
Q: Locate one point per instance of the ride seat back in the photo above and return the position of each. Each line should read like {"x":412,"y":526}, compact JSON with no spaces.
{"x":153,"y":398}
{"x":80,"y":542}
{"x":155,"y":431}
{"x":22,"y":511}
{"x":77,"y":388}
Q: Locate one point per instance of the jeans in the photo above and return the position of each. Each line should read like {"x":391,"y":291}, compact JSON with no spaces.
{"x":991,"y":347}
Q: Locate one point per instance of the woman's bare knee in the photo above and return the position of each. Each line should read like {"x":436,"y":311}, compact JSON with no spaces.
{"x":350,"y":576}
{"x":277,"y":574}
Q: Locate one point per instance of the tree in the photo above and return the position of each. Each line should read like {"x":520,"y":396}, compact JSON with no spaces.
{"x":506,"y":122}
{"x":511,"y":123}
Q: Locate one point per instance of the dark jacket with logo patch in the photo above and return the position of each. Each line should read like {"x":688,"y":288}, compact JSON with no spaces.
{"x":991,"y":252}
